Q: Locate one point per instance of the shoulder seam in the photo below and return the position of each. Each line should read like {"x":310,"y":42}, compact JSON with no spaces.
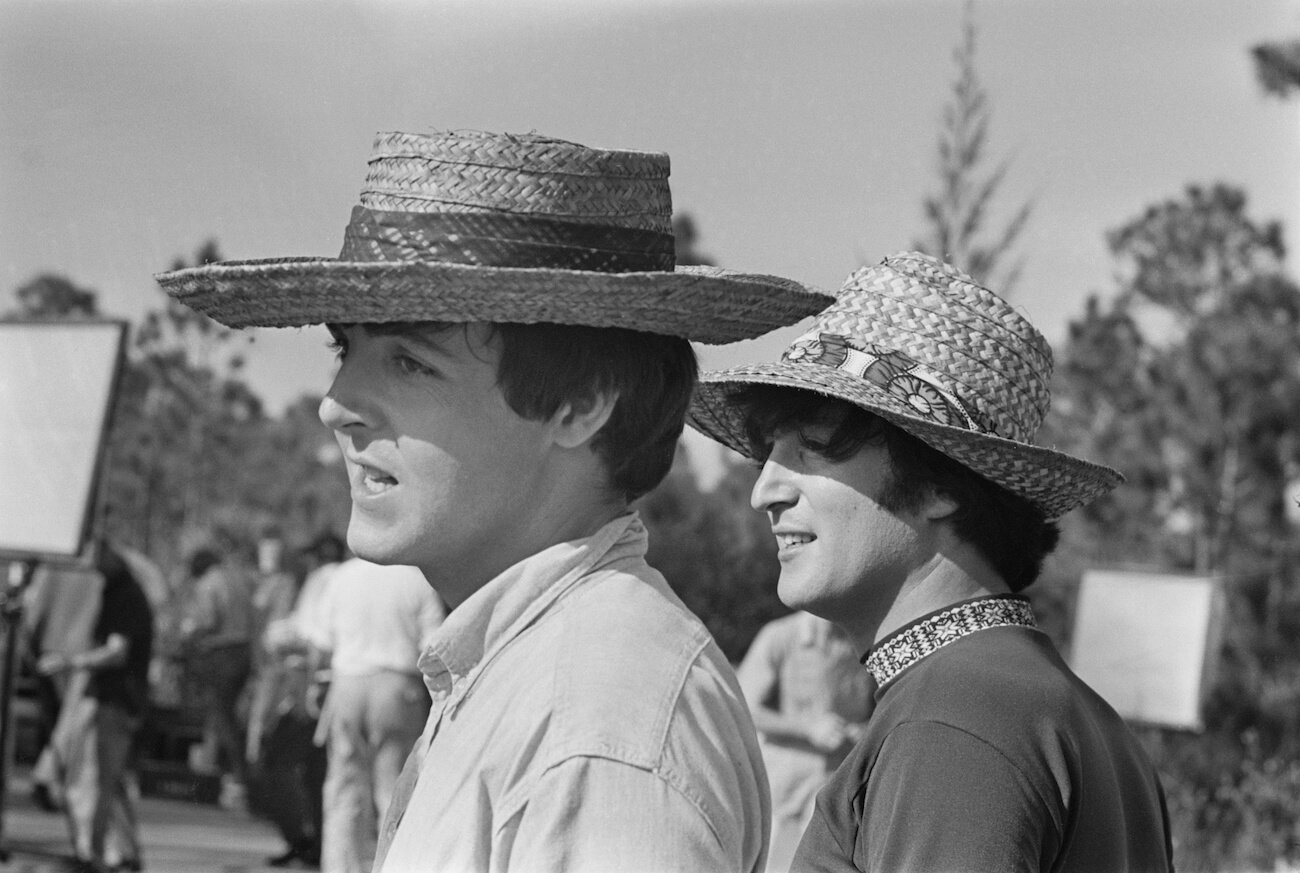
{"x":516,"y":806}
{"x":1002,"y":755}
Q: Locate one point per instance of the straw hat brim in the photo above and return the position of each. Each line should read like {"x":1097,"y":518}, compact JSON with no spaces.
{"x":706,"y":304}
{"x":1054,"y":481}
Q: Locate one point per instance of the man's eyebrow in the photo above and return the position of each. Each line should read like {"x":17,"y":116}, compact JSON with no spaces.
{"x":426,"y":334}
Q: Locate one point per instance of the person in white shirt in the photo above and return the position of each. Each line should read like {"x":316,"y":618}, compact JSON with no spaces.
{"x":373,"y":621}
{"x":288,"y":768}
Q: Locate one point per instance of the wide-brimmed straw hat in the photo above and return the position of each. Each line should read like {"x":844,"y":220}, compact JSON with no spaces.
{"x":919,"y":343}
{"x":470,"y":226}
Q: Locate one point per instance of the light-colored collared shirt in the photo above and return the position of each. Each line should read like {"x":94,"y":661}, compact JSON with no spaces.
{"x":373,"y":618}
{"x":583,"y":719}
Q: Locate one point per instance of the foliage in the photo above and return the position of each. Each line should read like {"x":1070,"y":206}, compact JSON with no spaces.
{"x":685,"y":237}
{"x":716,"y":552}
{"x":1233,"y":807}
{"x":50,"y":296}
{"x":192,"y":457}
{"x":1188,"y":380}
{"x":957,"y":214}
{"x":1278,"y":66}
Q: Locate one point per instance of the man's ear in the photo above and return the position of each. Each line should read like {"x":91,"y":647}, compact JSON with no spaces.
{"x":939,"y":505}
{"x":580,"y":419}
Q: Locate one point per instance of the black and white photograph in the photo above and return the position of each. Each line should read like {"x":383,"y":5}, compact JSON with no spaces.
{"x":630,"y":436}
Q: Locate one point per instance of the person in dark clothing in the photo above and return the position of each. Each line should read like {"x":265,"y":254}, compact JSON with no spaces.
{"x":287,"y":767}
{"x":911,"y":507}
{"x":59,"y":613}
{"x":94,"y":748}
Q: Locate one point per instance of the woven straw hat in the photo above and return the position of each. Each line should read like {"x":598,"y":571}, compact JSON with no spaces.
{"x":917,"y":342}
{"x":470,"y":226}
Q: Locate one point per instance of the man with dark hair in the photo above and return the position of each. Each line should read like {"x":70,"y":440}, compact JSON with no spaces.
{"x":910,"y":506}
{"x":515,"y":368}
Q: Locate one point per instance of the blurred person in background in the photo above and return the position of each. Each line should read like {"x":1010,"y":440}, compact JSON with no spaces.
{"x":59,"y":612}
{"x":322,"y":558}
{"x":276,"y":588}
{"x":216,"y":638}
{"x":911,"y":507}
{"x":373,"y":623}
{"x":810,"y":699}
{"x":94,"y":746}
{"x":287,"y":767}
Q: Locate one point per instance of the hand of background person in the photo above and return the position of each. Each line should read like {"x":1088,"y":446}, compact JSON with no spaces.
{"x":855,"y":731}
{"x":315,"y":699}
{"x":53,"y":662}
{"x":827,"y":733}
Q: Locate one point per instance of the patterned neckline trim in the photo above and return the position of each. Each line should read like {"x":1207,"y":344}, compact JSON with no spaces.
{"x":914,"y":641}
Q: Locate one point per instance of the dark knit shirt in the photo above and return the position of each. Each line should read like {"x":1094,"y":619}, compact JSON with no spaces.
{"x":985,"y":752}
{"x":124,"y":610}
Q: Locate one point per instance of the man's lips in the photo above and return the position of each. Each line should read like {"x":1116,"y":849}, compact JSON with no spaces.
{"x":789,"y":540}
{"x":369,"y":479}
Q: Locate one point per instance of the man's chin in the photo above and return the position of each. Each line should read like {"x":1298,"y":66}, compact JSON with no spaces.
{"x":370,"y":545}
{"x":793,"y":591}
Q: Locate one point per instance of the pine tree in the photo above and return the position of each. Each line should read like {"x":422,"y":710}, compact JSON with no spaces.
{"x":958,"y":214}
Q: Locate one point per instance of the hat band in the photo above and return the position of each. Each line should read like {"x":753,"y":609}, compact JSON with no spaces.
{"x":490,"y":240}
{"x":908,"y":381}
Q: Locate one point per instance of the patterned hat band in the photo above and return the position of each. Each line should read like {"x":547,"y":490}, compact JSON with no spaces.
{"x":924,"y":392}
{"x":498,"y":240}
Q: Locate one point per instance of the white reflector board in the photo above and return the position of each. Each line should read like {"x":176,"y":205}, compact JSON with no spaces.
{"x":1148,"y":642}
{"x":57,"y":382}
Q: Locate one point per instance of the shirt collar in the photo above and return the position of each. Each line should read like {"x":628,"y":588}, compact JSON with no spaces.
{"x":501,"y":610}
{"x":912,"y":642}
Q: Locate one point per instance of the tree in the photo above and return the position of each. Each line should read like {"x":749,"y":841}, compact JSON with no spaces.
{"x":957,"y":214}
{"x":179,"y":429}
{"x":192,"y":454}
{"x":716,"y":552}
{"x":686,"y":235}
{"x":1278,"y":66}
{"x":52,"y":296}
{"x":1188,"y":380}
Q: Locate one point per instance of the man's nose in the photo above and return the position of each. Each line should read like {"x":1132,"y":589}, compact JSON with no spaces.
{"x":774,"y":489}
{"x":341,"y":408}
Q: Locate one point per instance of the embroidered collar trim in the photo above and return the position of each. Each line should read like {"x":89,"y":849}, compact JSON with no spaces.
{"x":912,"y":642}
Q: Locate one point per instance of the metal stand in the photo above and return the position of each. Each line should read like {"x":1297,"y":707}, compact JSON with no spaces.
{"x":11,"y":614}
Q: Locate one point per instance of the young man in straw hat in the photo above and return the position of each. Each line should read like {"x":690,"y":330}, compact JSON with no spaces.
{"x":515,"y":369}
{"x":910,"y":507}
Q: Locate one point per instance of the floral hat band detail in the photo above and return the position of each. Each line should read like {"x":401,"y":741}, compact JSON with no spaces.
{"x":911,"y":382}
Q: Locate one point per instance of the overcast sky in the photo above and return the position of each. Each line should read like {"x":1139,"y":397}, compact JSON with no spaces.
{"x":802,"y":134}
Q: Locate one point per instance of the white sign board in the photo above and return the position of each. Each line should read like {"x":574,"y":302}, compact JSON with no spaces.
{"x":1148,"y":642}
{"x":57,"y":381}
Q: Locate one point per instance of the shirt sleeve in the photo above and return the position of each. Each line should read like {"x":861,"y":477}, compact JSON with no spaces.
{"x":595,"y":814}
{"x":939,"y":798}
